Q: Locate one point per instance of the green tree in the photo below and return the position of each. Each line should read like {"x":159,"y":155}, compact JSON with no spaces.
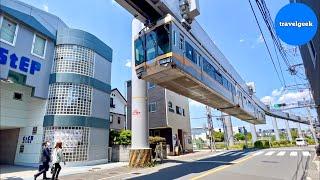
{"x":249,"y":136}
{"x":218,"y":136}
{"x":124,"y":137}
{"x":294,"y":133}
{"x":239,"y":136}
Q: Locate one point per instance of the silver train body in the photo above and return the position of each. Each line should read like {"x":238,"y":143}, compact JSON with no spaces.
{"x":170,"y":56}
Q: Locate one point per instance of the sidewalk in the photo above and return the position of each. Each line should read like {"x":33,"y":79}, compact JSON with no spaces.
{"x":314,"y":169}
{"x":21,"y":172}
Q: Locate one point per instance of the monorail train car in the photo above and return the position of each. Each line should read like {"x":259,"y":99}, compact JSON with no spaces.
{"x":170,"y":56}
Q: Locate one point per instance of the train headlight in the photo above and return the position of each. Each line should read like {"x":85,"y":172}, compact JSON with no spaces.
{"x":164,"y":62}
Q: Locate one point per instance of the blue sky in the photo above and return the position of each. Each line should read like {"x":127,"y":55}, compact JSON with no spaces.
{"x":230,"y":24}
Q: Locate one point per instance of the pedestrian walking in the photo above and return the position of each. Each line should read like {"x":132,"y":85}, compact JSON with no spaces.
{"x":56,"y":159}
{"x":45,"y":159}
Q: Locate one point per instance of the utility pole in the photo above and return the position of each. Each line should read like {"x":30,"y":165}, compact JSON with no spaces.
{"x":210,"y":129}
{"x":311,"y":126}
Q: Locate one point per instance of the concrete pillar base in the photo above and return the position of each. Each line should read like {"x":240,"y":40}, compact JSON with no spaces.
{"x":139,"y":157}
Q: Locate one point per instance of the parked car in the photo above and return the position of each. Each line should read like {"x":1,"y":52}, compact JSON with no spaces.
{"x":301,"y":142}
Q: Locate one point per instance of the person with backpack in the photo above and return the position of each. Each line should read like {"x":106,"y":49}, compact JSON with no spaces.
{"x":56,"y":159}
{"x":45,"y":159}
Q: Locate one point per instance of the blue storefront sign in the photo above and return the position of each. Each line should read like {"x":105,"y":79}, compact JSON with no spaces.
{"x":23,"y":63}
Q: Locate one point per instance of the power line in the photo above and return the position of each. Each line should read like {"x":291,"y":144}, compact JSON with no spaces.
{"x":282,"y":83}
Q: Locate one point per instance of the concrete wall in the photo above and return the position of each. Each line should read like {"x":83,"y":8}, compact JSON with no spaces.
{"x":120,"y":153}
{"x":98,"y":144}
{"x":19,"y":114}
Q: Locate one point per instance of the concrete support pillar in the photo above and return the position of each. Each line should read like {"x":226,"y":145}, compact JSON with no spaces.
{"x":254,"y":133}
{"x":288,"y":130}
{"x":140,"y":124}
{"x":276,"y":130}
{"x":299,"y":131}
{"x":228,"y":130}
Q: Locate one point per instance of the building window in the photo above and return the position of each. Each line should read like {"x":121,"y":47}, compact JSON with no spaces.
{"x":119,"y":120}
{"x":151,"y":85}
{"x":170,"y":107}
{"x":74,"y":59}
{"x":112,"y":105}
{"x":75,"y":141}
{"x":17,"y":96}
{"x":178,"y":110}
{"x":183,"y":112}
{"x":9,"y":30}
{"x":34,"y":130}
{"x":111,"y":118}
{"x":70,"y":99}
{"x":152,"y":107}
{"x":21,"y":148}
{"x":39,"y":46}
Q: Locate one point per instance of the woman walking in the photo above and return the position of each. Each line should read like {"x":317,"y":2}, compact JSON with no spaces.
{"x":56,"y":159}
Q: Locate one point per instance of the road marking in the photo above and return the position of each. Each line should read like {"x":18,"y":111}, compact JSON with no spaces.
{"x":306,"y":153}
{"x":227,"y":153}
{"x":269,"y":153}
{"x":281,"y":153}
{"x":258,"y":153}
{"x":235,"y":154}
{"x":221,"y":168}
{"x":293,"y":153}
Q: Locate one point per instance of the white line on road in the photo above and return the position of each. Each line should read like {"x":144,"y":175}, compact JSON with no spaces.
{"x":293,"y":153}
{"x":227,"y":153}
{"x":281,"y":153}
{"x":306,"y":153}
{"x":258,"y":153}
{"x":269,"y":153}
{"x":235,"y":154}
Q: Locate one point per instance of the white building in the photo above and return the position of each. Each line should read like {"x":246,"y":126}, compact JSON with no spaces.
{"x":118,"y":105}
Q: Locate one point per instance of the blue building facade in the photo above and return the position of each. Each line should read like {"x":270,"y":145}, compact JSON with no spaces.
{"x":55,"y":86}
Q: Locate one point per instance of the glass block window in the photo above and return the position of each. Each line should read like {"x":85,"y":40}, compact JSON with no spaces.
{"x":74,"y":59}
{"x":74,"y":141}
{"x":39,"y":46}
{"x":68,"y":98}
{"x":8,"y":31}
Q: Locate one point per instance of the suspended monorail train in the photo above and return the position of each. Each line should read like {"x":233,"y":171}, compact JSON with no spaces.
{"x":170,"y":56}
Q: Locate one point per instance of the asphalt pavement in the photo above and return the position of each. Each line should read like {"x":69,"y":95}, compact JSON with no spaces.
{"x":271,"y":164}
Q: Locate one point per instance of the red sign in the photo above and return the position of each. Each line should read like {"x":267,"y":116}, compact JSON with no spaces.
{"x":136,"y":113}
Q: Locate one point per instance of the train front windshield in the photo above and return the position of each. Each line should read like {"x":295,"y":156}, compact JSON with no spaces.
{"x":155,"y":43}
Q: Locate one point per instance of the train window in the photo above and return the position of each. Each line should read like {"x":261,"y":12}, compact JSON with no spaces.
{"x":163,"y":40}
{"x":181,"y":42}
{"x":189,"y":51}
{"x":151,"y":45}
{"x":218,"y":77}
{"x":139,"y":50}
{"x":225,"y":82}
{"x":208,"y":68}
{"x":174,"y":38}
{"x":195,"y":57}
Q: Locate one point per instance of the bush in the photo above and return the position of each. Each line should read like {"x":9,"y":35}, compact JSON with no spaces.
{"x":156,"y":139}
{"x":262,"y":144}
{"x":120,"y":138}
{"x":275,"y":144}
{"x":311,"y":142}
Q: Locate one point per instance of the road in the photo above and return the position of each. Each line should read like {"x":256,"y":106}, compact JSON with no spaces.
{"x":280,"y":163}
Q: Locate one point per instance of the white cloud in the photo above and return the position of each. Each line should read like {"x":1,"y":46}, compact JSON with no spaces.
{"x":293,"y":97}
{"x":283,"y":96}
{"x":128,"y":63}
{"x":241,"y":40}
{"x":268,"y":100}
{"x":260,"y":39}
{"x":195,"y":103}
{"x":45,"y":7}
